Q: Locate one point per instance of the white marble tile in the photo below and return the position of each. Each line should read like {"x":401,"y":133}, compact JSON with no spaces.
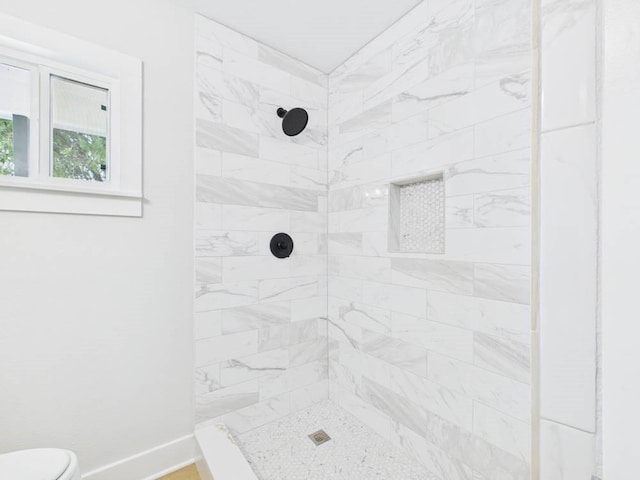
{"x":434,"y":458}
{"x":208,"y":216}
{"x":568,"y":63}
{"x":407,"y":132}
{"x":208,"y":162}
{"x":288,"y":288}
{"x":215,"y":243}
{"x":459,"y":212}
{"x":237,"y":269}
{"x":366,"y":268}
{"x":229,"y":191}
{"x":363,"y":316}
{"x":254,"y":416}
{"x":434,"y":398}
{"x":284,"y":151}
{"x":407,"y":356}
{"x":568,"y":276}
{"x":291,"y":65}
{"x":208,"y":100}
{"x":216,"y":296}
{"x":215,"y":84}
{"x":509,"y":95}
{"x":500,"y":172}
{"x":239,"y":65}
{"x":224,"y":400}
{"x":373,"y":69}
{"x":490,"y":245}
{"x":308,"y":222}
{"x":433,"y":91}
{"x":505,"y":432}
{"x":248,"y":119}
{"x":566,"y":453}
{"x":502,"y":39}
{"x":374,"y":244}
{"x":218,"y":136}
{"x":399,"y":408}
{"x":453,"y":341}
{"x":505,"y":356}
{"x":308,"y":308}
{"x":312,"y":178}
{"x":370,"y":170}
{"x":208,"y":270}
{"x":502,"y":282}
{"x":311,"y":93}
{"x":252,"y":317}
{"x":402,"y":299}
{"x":346,"y":288}
{"x":225,"y":347}
{"x":497,"y":318}
{"x":364,"y":220}
{"x":506,"y":208}
{"x":504,"y":394}
{"x":241,"y":218}
{"x":440,"y":275}
{"x":433,"y":154}
{"x":207,"y":324}
{"x":307,"y":352}
{"x":377,"y":117}
{"x":505,"y":133}
{"x":362,"y":411}
{"x":273,"y":384}
{"x":253,"y":367}
{"x":309,"y":395}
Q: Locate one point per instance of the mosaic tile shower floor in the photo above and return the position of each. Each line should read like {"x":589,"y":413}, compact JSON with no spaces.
{"x":282,"y":450}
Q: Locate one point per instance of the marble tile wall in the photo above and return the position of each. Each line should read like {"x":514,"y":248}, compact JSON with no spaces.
{"x":433,"y":351}
{"x":568,"y":240}
{"x":260,"y":322}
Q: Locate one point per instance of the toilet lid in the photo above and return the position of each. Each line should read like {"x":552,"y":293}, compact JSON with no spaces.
{"x":36,"y":464}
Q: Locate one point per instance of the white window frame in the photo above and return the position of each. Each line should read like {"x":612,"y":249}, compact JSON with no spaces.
{"x":45,"y":53}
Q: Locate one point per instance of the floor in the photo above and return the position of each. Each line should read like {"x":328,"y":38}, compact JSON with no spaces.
{"x":282,"y":450}
{"x":187,"y":473}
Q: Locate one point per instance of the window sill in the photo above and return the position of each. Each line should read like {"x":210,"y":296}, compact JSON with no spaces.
{"x":51,"y":198}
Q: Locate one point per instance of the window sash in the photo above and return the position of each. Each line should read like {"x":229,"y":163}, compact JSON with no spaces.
{"x":41,"y":137}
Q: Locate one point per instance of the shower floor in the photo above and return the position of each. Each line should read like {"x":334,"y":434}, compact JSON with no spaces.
{"x":282,"y":450}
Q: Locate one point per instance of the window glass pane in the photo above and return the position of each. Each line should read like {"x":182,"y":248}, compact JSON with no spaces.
{"x":79,"y":130}
{"x":15,"y":107}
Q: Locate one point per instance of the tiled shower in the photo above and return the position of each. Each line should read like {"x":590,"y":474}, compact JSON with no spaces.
{"x":422,"y":335}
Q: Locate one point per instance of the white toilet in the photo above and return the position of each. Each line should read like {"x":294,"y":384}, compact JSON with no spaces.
{"x":40,"y":464}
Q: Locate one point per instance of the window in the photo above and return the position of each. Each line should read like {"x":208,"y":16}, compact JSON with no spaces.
{"x":79,"y":130}
{"x":70,"y":124}
{"x":15,"y":110}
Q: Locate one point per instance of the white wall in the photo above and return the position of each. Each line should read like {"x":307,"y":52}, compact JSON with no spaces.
{"x":96,"y":341}
{"x":620,"y":238}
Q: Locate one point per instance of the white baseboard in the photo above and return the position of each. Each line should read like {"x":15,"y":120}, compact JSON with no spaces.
{"x":150,"y":464}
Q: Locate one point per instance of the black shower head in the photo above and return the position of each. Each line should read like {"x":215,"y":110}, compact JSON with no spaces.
{"x":294,"y":121}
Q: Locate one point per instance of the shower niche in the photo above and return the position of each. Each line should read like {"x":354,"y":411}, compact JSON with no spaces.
{"x":417,"y":215}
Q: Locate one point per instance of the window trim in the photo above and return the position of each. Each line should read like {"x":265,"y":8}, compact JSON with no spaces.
{"x":45,"y":53}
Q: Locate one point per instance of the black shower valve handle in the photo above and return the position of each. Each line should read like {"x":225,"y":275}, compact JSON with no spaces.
{"x":281,"y":245}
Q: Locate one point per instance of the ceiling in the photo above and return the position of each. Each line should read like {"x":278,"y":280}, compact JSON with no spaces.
{"x":321,"y":33}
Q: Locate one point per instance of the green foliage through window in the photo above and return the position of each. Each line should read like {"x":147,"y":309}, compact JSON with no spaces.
{"x":6,"y":147}
{"x":79,"y":155}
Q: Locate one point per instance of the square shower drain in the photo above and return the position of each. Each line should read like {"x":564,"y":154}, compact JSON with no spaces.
{"x":319,"y":437}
